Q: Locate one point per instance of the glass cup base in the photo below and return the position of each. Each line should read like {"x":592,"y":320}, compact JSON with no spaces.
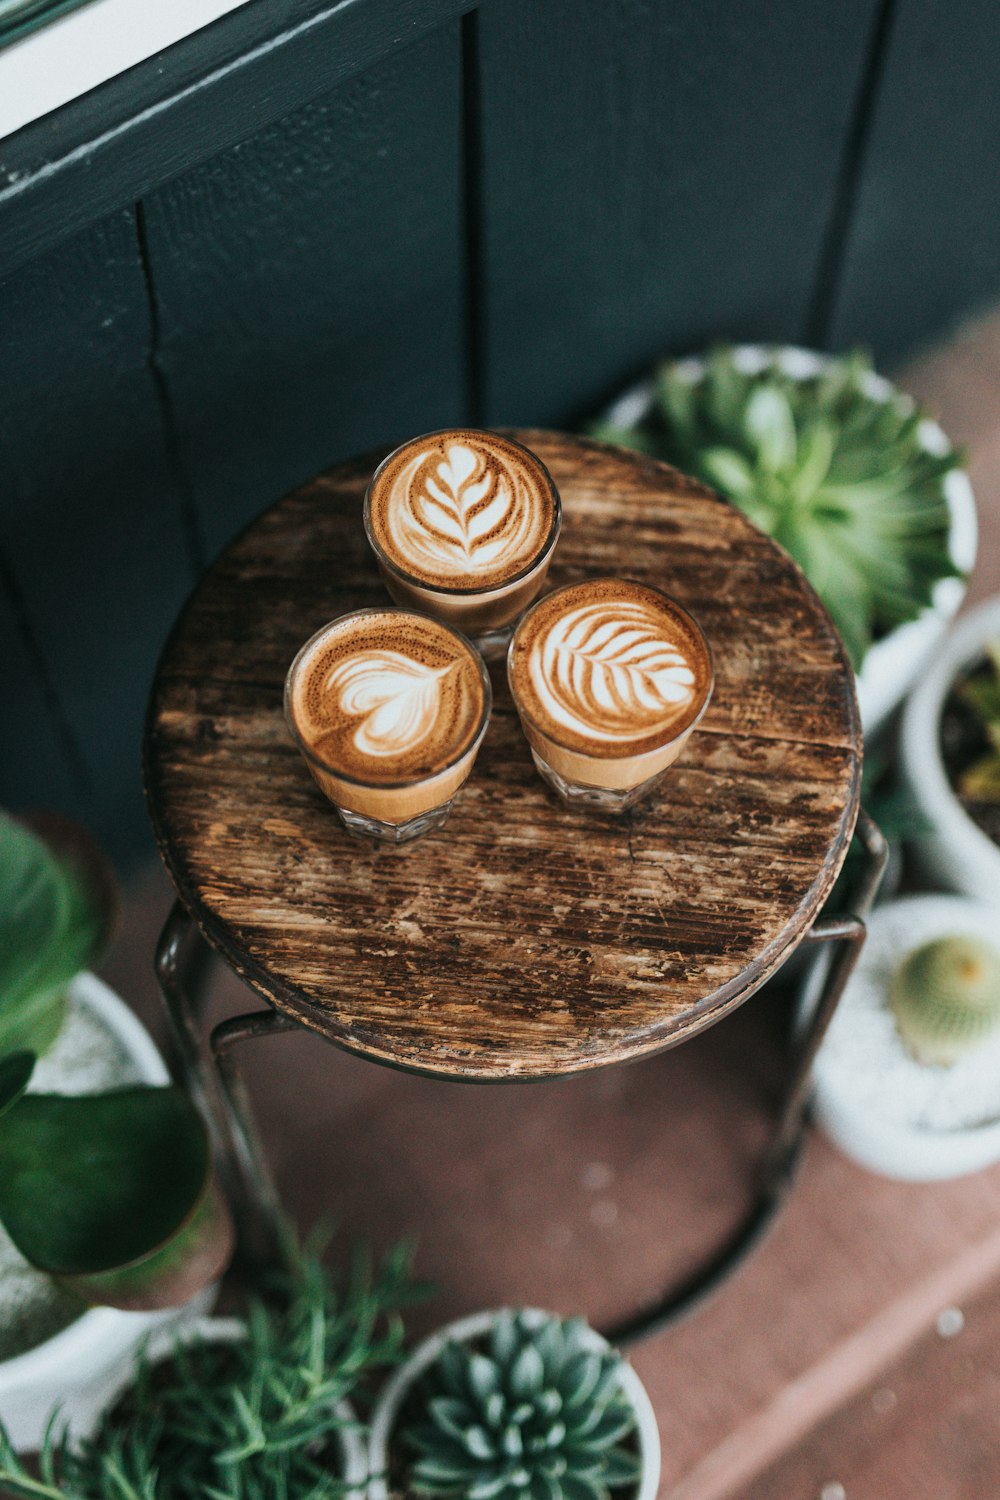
{"x":492,"y":644}
{"x":394,"y":833}
{"x":599,"y":798}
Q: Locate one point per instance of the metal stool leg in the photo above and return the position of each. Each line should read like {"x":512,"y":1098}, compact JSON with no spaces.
{"x":208,"y":1072}
{"x":781,"y":1158}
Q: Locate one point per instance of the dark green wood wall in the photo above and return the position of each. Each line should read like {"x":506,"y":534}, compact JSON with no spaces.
{"x":501,"y":215}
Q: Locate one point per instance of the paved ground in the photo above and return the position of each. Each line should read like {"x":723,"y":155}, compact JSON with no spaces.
{"x":819,"y":1373}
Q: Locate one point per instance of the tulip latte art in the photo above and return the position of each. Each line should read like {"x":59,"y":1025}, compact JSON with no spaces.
{"x":462,"y":510}
{"x":385,"y":697}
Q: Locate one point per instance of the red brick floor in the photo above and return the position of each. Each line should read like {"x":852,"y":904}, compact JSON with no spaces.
{"x":818,"y":1365}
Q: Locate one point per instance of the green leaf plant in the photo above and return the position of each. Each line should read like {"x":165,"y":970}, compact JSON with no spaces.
{"x":839,"y":478}
{"x":57,"y":910}
{"x":252,"y":1419}
{"x":111,"y":1194}
{"x":536,"y":1413}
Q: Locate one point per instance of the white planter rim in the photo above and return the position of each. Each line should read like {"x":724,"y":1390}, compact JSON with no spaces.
{"x":920,"y":743}
{"x":463,"y":1331}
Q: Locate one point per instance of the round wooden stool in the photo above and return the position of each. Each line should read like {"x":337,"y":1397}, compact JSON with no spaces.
{"x":525,"y":939}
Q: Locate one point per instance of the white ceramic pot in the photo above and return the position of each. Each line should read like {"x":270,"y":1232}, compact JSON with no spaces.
{"x":957,"y":853}
{"x":160,"y":1345}
{"x":894,"y":663}
{"x":887,"y":1112}
{"x":464,"y":1330}
{"x":72,"y":1369}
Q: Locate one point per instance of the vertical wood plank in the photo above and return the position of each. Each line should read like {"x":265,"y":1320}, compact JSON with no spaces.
{"x":38,"y":761}
{"x":654,"y":177}
{"x":309,"y":285}
{"x":924,"y":248}
{"x":88,"y":517}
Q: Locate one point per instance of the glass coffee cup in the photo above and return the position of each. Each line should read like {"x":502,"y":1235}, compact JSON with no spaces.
{"x":389,"y":709}
{"x":463,"y":524}
{"x":609,"y":678}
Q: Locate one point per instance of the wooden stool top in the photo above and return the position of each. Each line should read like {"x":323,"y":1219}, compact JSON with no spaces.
{"x":524,"y":939}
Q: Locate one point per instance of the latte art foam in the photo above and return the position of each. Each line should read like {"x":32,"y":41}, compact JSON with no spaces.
{"x":385,"y":696}
{"x":609,"y":667}
{"x":394,"y":698}
{"x":608,"y":671}
{"x":462,"y":510}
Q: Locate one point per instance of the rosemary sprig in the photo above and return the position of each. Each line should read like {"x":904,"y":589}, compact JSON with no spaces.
{"x":250,"y":1420}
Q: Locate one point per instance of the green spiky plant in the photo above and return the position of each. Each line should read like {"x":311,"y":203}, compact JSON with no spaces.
{"x":980,"y":782}
{"x":946,"y":998}
{"x":839,"y":478}
{"x":533,"y":1414}
{"x":251,"y":1419}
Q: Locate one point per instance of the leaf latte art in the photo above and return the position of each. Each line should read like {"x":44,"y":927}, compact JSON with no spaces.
{"x":609,"y":671}
{"x":396,"y":698}
{"x":462,"y":509}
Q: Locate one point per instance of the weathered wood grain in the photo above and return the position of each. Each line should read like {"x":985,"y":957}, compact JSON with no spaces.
{"x":525,"y":939}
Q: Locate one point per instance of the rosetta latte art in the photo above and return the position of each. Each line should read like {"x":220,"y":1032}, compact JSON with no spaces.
{"x":608,"y":672}
{"x":396,"y":698}
{"x":461,"y":511}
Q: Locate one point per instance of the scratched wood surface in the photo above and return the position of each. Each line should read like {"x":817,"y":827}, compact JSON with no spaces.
{"x":525,"y":939}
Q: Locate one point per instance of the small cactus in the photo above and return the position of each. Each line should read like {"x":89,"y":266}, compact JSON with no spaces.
{"x":946,"y":998}
{"x":533,"y":1412}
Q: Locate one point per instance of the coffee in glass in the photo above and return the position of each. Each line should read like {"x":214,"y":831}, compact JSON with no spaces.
{"x":609,"y":678}
{"x":389,"y":709}
{"x":463,"y":524}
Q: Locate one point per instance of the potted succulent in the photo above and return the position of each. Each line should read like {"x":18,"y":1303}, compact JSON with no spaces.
{"x":106,"y":1190}
{"x":258,"y":1406}
{"x":844,"y":471}
{"x":950,"y":757}
{"x":908,"y":1077}
{"x":513,"y":1405}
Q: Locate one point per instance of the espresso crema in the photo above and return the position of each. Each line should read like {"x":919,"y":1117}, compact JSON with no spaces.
{"x":386,"y":697}
{"x":462,"y":510}
{"x":609,"y":668}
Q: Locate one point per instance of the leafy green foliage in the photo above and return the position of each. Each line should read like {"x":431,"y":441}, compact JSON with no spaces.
{"x":15,"y":1075}
{"x":96,"y":1181}
{"x":946,"y":998}
{"x":250,"y":1420}
{"x":980,"y":782}
{"x":839,"y":478}
{"x":56,"y":908}
{"x":535,"y":1415}
{"x":113,"y":1194}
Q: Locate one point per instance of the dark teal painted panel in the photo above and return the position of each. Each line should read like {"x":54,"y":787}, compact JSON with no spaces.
{"x":654,"y":177}
{"x":310,"y":285}
{"x":37,"y":766}
{"x":924,"y":249}
{"x":88,"y":514}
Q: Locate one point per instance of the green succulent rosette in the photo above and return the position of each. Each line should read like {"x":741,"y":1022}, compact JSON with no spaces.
{"x":533,"y":1412}
{"x":836,"y":474}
